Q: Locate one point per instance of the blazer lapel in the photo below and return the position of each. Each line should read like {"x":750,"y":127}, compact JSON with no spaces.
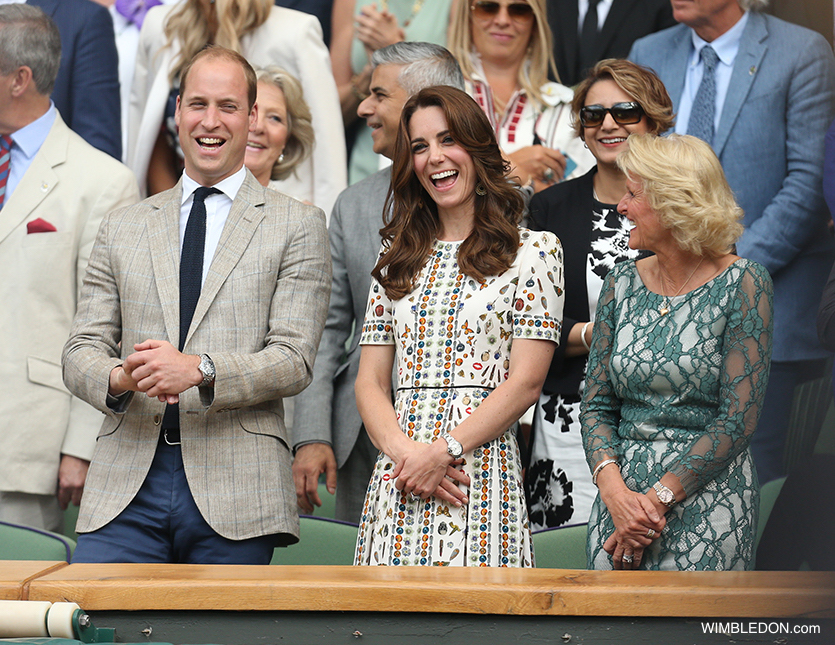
{"x":752,"y":48}
{"x":614,"y":22}
{"x":566,"y":23}
{"x":40,"y":179}
{"x":673,"y":67}
{"x":164,"y":242}
{"x":244,"y":218}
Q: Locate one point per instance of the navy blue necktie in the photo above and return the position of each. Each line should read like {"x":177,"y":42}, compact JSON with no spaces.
{"x":191,"y":278}
{"x":703,"y":113}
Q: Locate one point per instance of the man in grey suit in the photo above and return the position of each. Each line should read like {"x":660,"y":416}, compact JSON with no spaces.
{"x":201,"y":308}
{"x":328,"y":436}
{"x":762,"y":92}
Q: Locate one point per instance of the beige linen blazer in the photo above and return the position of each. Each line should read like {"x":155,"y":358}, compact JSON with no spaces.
{"x":260,"y":316}
{"x":70,"y":185}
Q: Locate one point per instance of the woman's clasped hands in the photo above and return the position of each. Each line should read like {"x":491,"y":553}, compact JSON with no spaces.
{"x":637,"y":524}
{"x":427,"y":470}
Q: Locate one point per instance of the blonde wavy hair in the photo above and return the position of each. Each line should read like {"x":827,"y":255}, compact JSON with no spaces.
{"x":539,"y":59}
{"x":188,"y":24}
{"x":684,"y":184}
{"x":300,"y":137}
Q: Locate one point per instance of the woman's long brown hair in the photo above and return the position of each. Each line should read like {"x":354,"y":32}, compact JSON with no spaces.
{"x":411,"y":220}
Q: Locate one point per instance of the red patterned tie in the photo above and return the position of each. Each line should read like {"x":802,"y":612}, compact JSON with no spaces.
{"x":5,"y":155}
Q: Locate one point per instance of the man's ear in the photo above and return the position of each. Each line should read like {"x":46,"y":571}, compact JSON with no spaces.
{"x":177,"y":113}
{"x":253,"y":116}
{"x":21,"y":81}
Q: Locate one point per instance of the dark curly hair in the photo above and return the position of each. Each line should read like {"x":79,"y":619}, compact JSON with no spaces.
{"x":411,"y":220}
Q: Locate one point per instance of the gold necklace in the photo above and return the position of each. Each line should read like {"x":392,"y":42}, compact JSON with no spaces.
{"x":665,"y":309}
{"x":416,"y":7}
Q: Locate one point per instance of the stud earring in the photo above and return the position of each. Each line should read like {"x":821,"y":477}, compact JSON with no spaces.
{"x":281,"y":158}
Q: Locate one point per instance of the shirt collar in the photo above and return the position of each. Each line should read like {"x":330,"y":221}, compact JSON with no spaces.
{"x":727,"y":45}
{"x":229,"y":186}
{"x":31,"y":137}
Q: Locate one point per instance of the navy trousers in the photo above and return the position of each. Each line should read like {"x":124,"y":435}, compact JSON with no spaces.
{"x":163,"y":524}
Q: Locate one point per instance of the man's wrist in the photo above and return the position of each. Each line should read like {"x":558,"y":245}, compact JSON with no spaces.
{"x":114,"y":387}
{"x":206,"y":371}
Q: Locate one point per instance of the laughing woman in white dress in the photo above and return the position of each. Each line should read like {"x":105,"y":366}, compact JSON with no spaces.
{"x":469,"y":307}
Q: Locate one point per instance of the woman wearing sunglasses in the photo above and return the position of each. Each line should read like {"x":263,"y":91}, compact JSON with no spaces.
{"x":505,"y":50}
{"x":617,"y":98}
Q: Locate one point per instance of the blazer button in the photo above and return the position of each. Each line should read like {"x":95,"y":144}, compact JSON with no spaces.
{"x":157,"y":419}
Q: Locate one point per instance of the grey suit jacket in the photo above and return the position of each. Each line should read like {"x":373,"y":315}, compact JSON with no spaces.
{"x":42,"y":274}
{"x":327,"y":411}
{"x":259,"y":316}
{"x":780,"y":102}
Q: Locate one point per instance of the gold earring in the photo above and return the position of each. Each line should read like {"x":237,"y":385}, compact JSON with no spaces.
{"x":480,"y":190}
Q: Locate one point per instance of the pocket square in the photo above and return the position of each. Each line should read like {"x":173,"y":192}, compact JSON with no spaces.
{"x":40,"y":226}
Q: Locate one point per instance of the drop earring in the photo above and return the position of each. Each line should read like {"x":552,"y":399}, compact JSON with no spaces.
{"x":480,"y":190}
{"x":281,"y":158}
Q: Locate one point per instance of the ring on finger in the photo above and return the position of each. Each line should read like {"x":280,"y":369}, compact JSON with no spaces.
{"x":628,"y":558}
{"x":548,"y":175}
{"x":650,"y":533}
{"x":415,"y":497}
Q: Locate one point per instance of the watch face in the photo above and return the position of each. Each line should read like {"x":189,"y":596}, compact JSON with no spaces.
{"x":665,"y":495}
{"x":454,"y":447}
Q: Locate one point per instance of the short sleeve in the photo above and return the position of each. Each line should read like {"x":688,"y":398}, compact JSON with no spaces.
{"x":377,"y":329}
{"x":537,"y":309}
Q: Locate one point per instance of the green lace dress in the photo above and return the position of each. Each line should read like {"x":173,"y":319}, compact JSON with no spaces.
{"x":681,"y":393}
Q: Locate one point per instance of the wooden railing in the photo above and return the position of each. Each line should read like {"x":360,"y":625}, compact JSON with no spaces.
{"x":532,"y":592}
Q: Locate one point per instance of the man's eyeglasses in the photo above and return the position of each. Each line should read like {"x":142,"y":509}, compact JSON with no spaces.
{"x":592,"y":116}
{"x":518,"y":11}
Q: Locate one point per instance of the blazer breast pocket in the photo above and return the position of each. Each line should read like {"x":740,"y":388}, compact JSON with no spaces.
{"x":49,"y":239}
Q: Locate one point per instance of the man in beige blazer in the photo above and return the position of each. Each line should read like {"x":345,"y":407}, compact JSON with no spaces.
{"x":207,"y":481}
{"x":56,"y":191}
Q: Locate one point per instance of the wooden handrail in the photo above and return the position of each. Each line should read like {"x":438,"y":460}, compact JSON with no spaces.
{"x":757,"y":594}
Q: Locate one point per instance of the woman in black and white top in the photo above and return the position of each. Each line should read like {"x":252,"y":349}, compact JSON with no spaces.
{"x":617,"y":98}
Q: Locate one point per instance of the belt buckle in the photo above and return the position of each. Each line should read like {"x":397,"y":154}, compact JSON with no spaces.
{"x":165,"y":438}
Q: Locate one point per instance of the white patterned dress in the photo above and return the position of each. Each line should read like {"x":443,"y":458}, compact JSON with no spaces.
{"x":452,"y":336}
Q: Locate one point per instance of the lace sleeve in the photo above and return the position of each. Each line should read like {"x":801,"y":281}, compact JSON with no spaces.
{"x":746,"y":358}
{"x":600,"y":410}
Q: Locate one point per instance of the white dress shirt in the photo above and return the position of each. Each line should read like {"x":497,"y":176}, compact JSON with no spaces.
{"x":217,"y":211}
{"x":602,"y":11}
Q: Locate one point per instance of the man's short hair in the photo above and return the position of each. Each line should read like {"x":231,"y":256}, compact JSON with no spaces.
{"x":424,"y":65}
{"x":29,"y":38}
{"x":215,"y":52}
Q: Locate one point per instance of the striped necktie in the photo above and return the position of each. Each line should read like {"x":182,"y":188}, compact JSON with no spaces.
{"x":5,"y":157}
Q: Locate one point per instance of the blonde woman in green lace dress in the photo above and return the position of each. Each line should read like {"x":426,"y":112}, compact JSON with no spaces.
{"x":677,"y":372}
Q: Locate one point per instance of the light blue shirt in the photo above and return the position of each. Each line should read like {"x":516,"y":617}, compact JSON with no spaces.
{"x":726,"y":48}
{"x":27,"y":142}
{"x":217,"y":211}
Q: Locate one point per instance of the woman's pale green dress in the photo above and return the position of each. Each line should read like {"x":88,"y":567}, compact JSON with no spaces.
{"x":682,"y":393}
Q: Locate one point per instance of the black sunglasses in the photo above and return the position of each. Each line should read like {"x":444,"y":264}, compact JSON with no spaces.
{"x":518,"y":11}
{"x":592,"y":116}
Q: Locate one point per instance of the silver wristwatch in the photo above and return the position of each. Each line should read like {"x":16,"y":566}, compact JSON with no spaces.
{"x":664,"y":494}
{"x":207,"y":369}
{"x":453,"y":446}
